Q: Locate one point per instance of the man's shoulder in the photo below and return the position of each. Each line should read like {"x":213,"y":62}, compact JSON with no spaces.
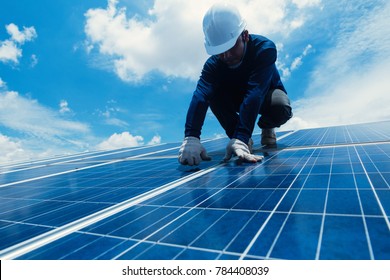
{"x":262,"y":50}
{"x":261,"y":41}
{"x":258,"y":37}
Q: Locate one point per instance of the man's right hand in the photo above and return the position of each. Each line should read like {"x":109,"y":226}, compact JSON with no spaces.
{"x":192,"y":152}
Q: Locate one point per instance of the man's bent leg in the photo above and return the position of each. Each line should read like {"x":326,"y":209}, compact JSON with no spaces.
{"x":276,"y":110}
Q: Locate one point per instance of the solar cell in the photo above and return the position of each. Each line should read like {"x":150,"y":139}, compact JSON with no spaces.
{"x":321,"y":194}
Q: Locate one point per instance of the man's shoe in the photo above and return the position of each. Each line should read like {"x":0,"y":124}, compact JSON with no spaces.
{"x":268,"y":137}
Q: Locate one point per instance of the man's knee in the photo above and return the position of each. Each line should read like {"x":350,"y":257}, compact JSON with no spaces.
{"x":281,"y":110}
{"x":279,"y":98}
{"x":285,"y":114}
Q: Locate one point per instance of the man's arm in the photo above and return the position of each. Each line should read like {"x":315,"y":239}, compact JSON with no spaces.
{"x":200,"y":100}
{"x":191,"y":151}
{"x":196,"y":115}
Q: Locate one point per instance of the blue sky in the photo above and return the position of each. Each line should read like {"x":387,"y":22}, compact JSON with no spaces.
{"x":78,"y":76}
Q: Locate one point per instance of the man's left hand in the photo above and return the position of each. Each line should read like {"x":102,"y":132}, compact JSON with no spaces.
{"x":241,"y":149}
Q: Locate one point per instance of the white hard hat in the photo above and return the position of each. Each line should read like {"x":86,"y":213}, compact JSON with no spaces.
{"x":222,"y":25}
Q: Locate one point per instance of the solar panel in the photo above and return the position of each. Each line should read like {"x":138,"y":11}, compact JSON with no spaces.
{"x":321,"y":194}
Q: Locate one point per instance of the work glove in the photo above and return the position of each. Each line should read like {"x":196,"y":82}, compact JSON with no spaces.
{"x":192,"y":152}
{"x":241,"y":149}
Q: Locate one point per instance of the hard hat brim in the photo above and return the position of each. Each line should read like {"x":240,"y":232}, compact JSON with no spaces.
{"x":213,"y":50}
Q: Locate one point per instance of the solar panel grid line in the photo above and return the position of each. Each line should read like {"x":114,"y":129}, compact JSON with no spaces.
{"x":322,"y":137}
{"x":375,"y":193}
{"x":218,"y":252}
{"x":376,"y":132}
{"x":185,"y":247}
{"x":325,"y":146}
{"x":46,"y":238}
{"x":225,"y":250}
{"x":177,"y":218}
{"x":328,"y":214}
{"x":37,"y":161}
{"x":245,"y":253}
{"x":186,"y":221}
{"x":388,"y":159}
{"x":82,"y":247}
{"x":205,"y":230}
{"x":375,"y":165}
{"x":71,"y":158}
{"x":371,"y":252}
{"x":59,"y":242}
{"x":57,"y":174}
{"x":142,"y":241}
{"x":319,"y":246}
{"x":76,"y":156}
{"x":385,"y":215}
{"x":209,"y":227}
{"x":268,"y":255}
{"x":289,"y":212}
{"x":307,"y":134}
{"x":152,"y":158}
{"x":358,"y":196}
{"x":49,"y":186}
{"x":152,"y":225}
{"x":23,"y":169}
{"x":380,"y":133}
{"x":177,"y":256}
{"x":81,"y":161}
{"x":80,"y":168}
{"x":77,"y":159}
{"x":371,"y":131}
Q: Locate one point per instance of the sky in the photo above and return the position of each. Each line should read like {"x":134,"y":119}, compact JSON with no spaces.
{"x":79,"y":76}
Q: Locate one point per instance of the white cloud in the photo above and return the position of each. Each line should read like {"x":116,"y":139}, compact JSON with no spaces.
{"x":38,"y":131}
{"x":10,"y":150}
{"x":356,"y":99}
{"x":298,"y":60}
{"x":27,"y":116}
{"x":116,"y":122}
{"x":14,"y":149}
{"x":295,"y":64}
{"x":64,"y":107}
{"x":170,"y":39}
{"x":10,"y":50}
{"x":350,"y":84}
{"x":2,"y":83}
{"x":155,"y":140}
{"x":304,"y":3}
{"x":34,"y":61}
{"x":21,"y":37}
{"x":125,"y":140}
{"x":122,"y":140}
{"x":110,"y":114}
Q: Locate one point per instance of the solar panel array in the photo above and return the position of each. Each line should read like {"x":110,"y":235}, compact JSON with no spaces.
{"x":321,"y":194}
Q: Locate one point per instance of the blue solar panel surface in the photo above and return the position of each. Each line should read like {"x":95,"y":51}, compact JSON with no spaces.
{"x":321,"y":194}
